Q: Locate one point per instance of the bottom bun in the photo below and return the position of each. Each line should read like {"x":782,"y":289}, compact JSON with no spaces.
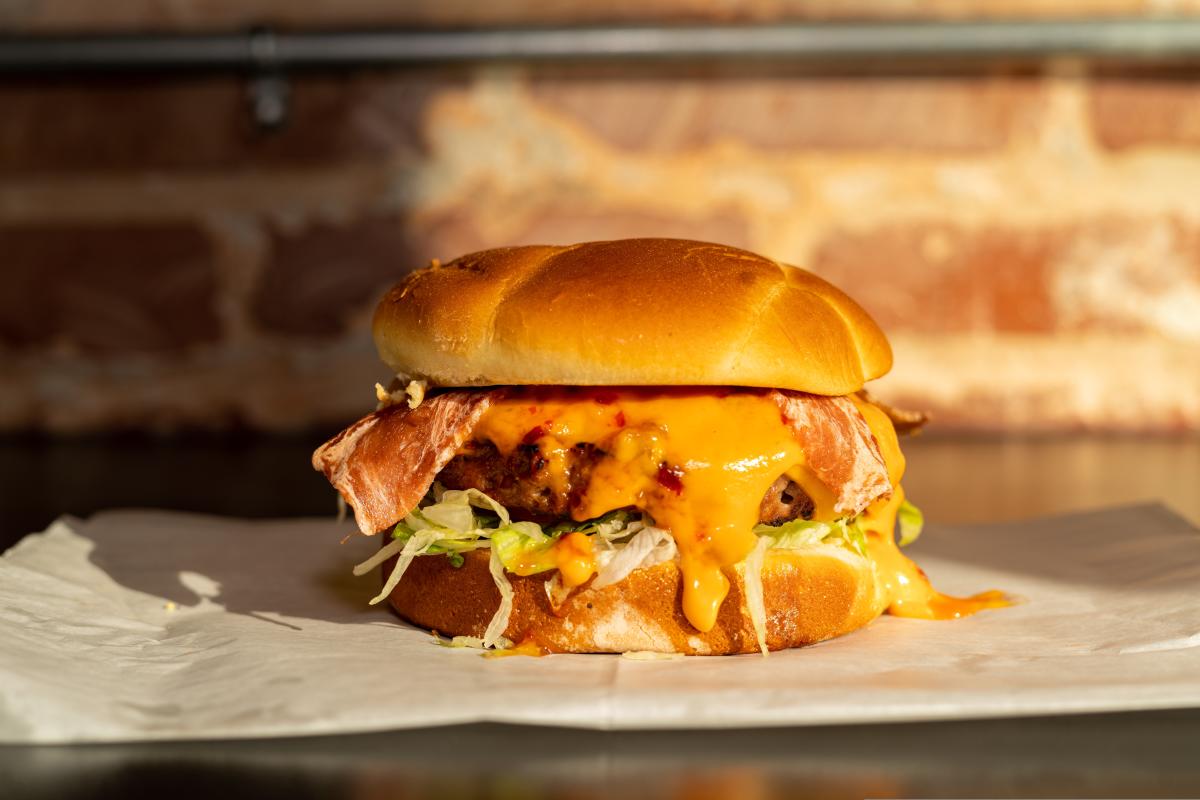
{"x":809,"y":596}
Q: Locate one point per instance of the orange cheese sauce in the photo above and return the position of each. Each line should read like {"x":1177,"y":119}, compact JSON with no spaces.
{"x":698,"y":461}
{"x":575,"y":559}
{"x":910,"y":592}
{"x":526,"y":647}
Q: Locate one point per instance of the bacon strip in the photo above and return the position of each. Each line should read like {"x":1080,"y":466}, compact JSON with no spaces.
{"x":904,"y":421}
{"x":383,"y":464}
{"x":839,"y":447}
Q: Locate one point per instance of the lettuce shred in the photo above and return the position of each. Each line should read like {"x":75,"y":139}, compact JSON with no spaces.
{"x":495,"y":629}
{"x":910,"y":521}
{"x":752,"y":577}
{"x":650,"y":655}
{"x":647,"y":547}
{"x":801,"y":533}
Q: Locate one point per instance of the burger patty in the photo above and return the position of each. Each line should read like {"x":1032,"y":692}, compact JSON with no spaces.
{"x":784,"y":502}
{"x":522,"y":483}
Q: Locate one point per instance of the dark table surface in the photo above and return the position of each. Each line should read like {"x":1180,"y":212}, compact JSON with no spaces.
{"x":1144,"y":754}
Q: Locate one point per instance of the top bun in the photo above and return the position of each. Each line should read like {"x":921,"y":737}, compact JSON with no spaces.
{"x":632,"y":312}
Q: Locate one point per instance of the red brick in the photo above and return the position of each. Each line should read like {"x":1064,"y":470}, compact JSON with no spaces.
{"x":124,"y":288}
{"x":1138,"y":112}
{"x":666,"y":112}
{"x":932,"y":277}
{"x":151,"y":124}
{"x":1109,"y":274}
{"x":1131,"y":275}
{"x":319,"y":279}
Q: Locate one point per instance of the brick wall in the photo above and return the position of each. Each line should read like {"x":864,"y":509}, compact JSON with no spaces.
{"x":1030,"y":243}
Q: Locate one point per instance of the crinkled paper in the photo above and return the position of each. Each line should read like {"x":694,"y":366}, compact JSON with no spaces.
{"x":149,"y":625}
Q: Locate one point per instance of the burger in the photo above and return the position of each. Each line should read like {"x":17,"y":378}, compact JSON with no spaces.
{"x":638,"y":445}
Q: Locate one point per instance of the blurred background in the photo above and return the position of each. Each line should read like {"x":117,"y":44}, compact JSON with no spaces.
{"x":191,"y":255}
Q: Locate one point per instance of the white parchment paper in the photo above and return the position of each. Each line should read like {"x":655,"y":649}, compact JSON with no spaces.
{"x":149,"y":625}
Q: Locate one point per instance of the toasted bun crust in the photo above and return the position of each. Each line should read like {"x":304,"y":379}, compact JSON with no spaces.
{"x":636,"y":312}
{"x":809,"y":597}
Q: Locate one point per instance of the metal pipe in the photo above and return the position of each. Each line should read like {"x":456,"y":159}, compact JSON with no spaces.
{"x":817,"y":43}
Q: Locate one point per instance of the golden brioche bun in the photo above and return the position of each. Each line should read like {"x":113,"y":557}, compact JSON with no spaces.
{"x":809,"y":596}
{"x":631,"y":312}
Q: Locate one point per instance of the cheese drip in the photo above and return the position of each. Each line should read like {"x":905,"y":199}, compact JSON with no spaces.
{"x":697,"y":461}
{"x":909,"y":591}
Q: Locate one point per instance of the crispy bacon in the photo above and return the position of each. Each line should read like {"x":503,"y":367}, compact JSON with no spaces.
{"x":383,"y":464}
{"x":904,"y":421}
{"x":838,"y":446}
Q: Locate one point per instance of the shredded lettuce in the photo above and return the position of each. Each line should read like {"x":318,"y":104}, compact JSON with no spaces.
{"x":800,"y":534}
{"x":471,"y":642}
{"x":416,"y":545}
{"x":454,"y":510}
{"x":752,"y":577}
{"x":455,"y":516}
{"x":523,"y":548}
{"x":650,"y":655}
{"x":649,"y":546}
{"x":910,"y":520}
{"x":607,"y":525}
{"x":495,"y":629}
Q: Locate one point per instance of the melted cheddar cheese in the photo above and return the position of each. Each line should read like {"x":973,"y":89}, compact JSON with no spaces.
{"x":526,"y":647}
{"x":905,"y":584}
{"x":699,"y":462}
